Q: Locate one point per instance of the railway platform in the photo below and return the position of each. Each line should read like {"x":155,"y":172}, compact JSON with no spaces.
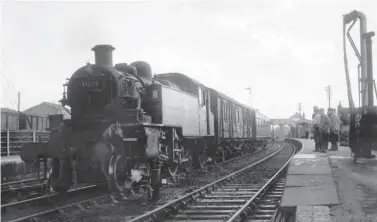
{"x":318,"y":186}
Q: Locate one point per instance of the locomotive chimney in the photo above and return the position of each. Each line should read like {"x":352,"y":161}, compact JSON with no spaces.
{"x":103,"y":55}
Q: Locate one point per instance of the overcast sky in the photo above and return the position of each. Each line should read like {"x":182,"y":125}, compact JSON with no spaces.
{"x":286,"y":50}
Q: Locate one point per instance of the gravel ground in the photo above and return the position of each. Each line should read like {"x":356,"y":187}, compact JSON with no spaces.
{"x":357,"y":189}
{"x":267,"y":169}
{"x":261,"y":173}
{"x":114,"y":212}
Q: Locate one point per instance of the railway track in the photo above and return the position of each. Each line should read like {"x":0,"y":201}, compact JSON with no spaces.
{"x":250,"y":193}
{"x":23,"y":189}
{"x":38,"y":206}
{"x":85,"y":196}
{"x":174,"y":180}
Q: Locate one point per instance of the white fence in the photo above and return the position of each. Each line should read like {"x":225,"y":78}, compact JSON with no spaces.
{"x":12,"y":140}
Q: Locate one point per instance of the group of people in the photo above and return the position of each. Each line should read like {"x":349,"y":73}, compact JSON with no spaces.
{"x":325,"y":129}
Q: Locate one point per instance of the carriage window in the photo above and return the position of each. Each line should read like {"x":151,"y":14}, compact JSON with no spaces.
{"x":200,"y":96}
{"x":204,"y":97}
{"x":225,"y":112}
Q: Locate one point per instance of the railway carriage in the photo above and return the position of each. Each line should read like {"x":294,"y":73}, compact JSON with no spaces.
{"x":235,"y":129}
{"x":129,"y":129}
{"x":263,"y":125}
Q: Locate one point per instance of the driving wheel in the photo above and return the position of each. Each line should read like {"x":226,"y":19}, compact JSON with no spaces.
{"x":119,"y":173}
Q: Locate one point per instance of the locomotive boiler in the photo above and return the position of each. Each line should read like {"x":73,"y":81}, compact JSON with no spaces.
{"x":129,"y":128}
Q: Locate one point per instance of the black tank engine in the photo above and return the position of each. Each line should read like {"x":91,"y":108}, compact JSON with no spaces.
{"x":128,"y":129}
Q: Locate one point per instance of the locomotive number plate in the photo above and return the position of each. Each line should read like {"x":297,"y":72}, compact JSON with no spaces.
{"x":90,"y":84}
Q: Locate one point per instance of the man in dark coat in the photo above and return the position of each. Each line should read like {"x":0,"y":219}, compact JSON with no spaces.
{"x":316,"y":120}
{"x":324,"y":131}
{"x":334,"y":128}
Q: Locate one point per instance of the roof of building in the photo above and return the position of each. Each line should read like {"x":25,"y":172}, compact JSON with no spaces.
{"x":281,"y":121}
{"x":305,"y":121}
{"x":261,"y":115}
{"x":59,"y":109}
{"x":57,"y":106}
{"x":8,"y":110}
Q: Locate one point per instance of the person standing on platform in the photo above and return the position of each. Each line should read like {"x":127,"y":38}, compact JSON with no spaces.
{"x":316,"y":120}
{"x":324,"y":130}
{"x":334,"y":129}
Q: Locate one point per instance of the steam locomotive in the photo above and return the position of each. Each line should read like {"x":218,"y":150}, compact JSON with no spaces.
{"x":129,"y":128}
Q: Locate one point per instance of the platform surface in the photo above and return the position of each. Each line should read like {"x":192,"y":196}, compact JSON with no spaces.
{"x":310,"y":188}
{"x":357,"y":189}
{"x":309,"y":179}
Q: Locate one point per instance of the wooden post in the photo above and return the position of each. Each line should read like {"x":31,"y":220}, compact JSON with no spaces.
{"x":8,"y":144}
{"x":33,"y":136}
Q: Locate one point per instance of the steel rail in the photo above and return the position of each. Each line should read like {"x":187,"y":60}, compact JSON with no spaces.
{"x":196,"y":193}
{"x":58,"y":208}
{"x":4,"y":206}
{"x":63,"y":203}
{"x":270,"y":181}
{"x":78,"y":203}
{"x":23,"y":187}
{"x":213,"y":164}
{"x":41,"y":198}
{"x":228,"y":161}
{"x":21,"y":181}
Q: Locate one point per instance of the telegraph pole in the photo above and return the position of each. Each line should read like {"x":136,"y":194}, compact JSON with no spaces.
{"x":299,"y":109}
{"x":328,"y":90}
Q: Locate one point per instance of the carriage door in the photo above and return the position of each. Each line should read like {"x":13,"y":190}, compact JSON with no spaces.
{"x":234,"y":121}
{"x":203,"y":125}
{"x":208,"y":110}
{"x":225,"y":118}
{"x":253,"y":126}
{"x":244,"y":123}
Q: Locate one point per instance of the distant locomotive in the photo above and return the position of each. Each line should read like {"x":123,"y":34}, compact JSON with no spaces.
{"x":127,"y":127}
